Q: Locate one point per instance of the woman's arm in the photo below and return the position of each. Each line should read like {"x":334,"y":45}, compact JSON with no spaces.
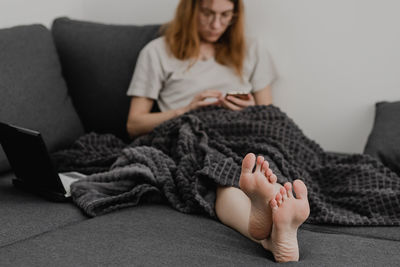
{"x":141,"y":120}
{"x":263,"y":96}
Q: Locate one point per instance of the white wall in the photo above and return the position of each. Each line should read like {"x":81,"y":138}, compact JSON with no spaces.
{"x":16,"y":12}
{"x":130,"y":11}
{"x":335,"y":58}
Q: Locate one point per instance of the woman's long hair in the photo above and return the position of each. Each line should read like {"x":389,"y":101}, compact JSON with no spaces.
{"x":183,"y":40}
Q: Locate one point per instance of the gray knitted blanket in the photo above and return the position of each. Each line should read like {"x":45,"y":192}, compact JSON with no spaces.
{"x":183,"y":160}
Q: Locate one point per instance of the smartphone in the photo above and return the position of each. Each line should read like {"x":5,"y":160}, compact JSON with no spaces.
{"x":239,"y":94}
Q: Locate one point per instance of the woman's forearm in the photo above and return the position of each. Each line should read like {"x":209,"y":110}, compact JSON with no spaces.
{"x":141,"y":120}
{"x":144,"y":123}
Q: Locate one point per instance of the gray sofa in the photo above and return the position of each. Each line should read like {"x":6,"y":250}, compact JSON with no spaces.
{"x":72,"y":79}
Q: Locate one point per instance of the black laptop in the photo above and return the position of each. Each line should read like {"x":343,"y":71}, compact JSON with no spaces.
{"x":32,"y":165}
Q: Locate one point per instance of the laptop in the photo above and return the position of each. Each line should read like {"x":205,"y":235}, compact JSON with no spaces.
{"x":32,"y":165}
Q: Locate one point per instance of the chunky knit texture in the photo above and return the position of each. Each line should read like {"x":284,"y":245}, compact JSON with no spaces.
{"x":184,"y":159}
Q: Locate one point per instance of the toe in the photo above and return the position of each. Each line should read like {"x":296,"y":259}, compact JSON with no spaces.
{"x":283,"y":193}
{"x":273,"y":204}
{"x":278,"y":199}
{"x":300,"y":189}
{"x":273,"y":178}
{"x":288,"y":187}
{"x":248,"y":163}
{"x":265,"y":168}
{"x":260,"y":160}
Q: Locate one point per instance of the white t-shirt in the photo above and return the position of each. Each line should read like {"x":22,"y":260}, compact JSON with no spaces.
{"x":173,"y":83}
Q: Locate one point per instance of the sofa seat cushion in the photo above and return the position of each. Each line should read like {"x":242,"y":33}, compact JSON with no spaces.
{"x":98,"y":61}
{"x":33,"y":93}
{"x":24,"y":215}
{"x":155,"y":235}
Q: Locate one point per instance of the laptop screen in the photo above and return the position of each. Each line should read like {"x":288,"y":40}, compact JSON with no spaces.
{"x":29,"y":158}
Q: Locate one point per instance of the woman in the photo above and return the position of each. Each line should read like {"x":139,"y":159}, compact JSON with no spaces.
{"x":202,"y":56}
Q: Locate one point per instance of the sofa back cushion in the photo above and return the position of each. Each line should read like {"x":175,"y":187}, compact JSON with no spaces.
{"x":33,"y":93}
{"x":98,"y":61}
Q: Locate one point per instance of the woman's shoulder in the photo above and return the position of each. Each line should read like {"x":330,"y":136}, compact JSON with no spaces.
{"x":157,"y":46}
{"x":256,"y":48}
{"x":253,"y":43}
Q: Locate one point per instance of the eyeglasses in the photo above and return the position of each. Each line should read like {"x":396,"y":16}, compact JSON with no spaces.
{"x":208,"y":16}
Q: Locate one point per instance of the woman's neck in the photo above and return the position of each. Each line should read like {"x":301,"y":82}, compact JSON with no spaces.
{"x":207,"y":51}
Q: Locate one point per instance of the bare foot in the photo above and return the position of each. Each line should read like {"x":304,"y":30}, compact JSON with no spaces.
{"x":288,"y":213}
{"x":261,"y":187}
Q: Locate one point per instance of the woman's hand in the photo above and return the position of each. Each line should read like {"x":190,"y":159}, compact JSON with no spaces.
{"x":203,"y":99}
{"x":235,"y":103}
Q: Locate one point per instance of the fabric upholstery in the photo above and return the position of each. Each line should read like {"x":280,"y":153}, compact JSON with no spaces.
{"x":98,"y":61}
{"x":384,"y":140}
{"x":24,"y":215}
{"x":33,"y":93}
{"x":155,"y":235}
